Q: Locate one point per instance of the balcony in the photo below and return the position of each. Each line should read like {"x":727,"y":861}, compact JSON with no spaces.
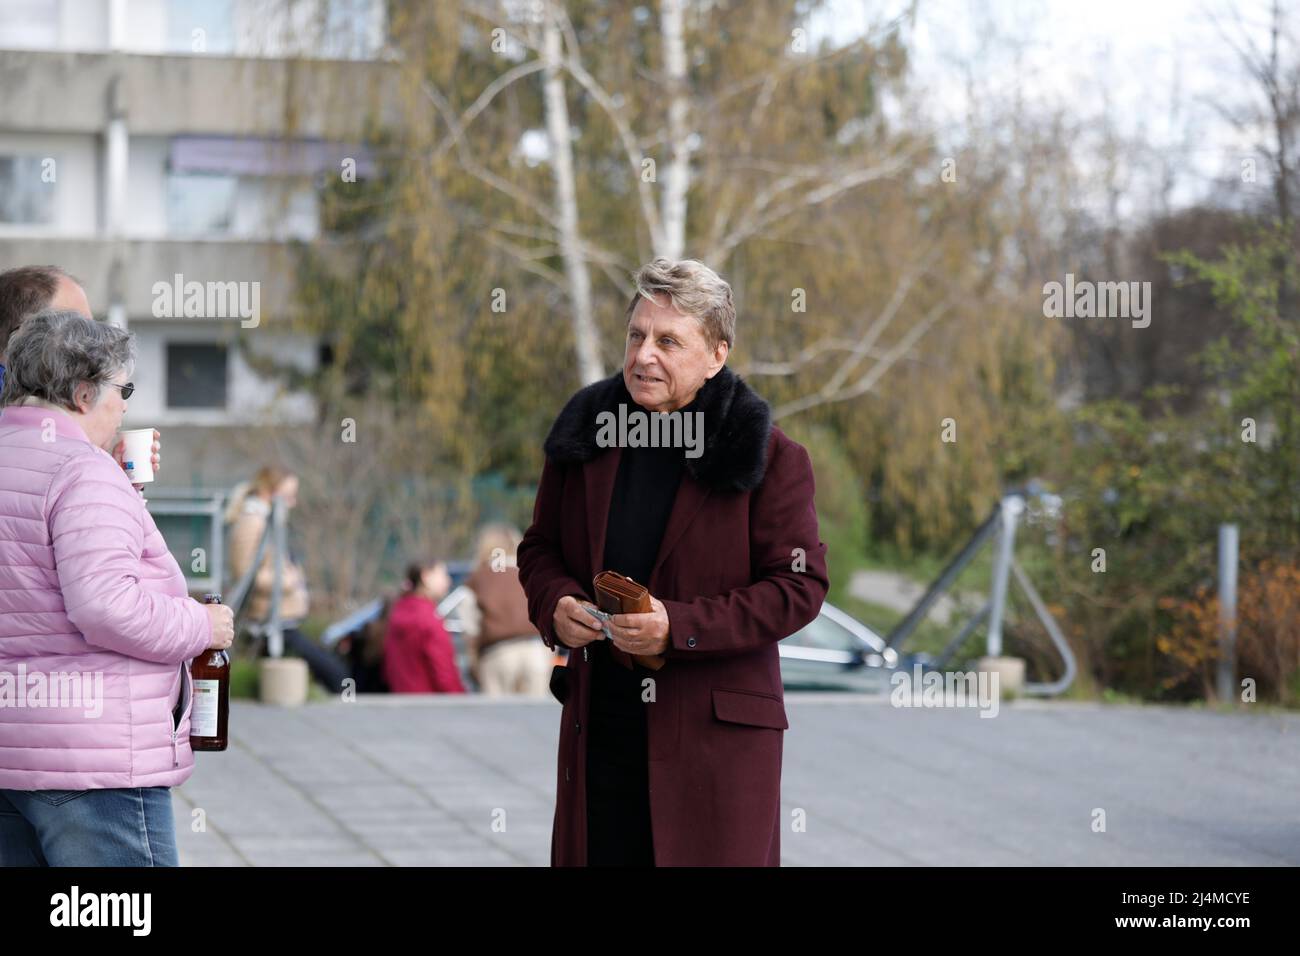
{"x":127,"y":270}
{"x":170,"y":95}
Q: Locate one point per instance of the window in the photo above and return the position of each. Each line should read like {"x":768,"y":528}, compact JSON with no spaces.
{"x":29,"y":24}
{"x":347,"y":33}
{"x":25,"y":196}
{"x":200,"y":26}
{"x":201,"y":205}
{"x":196,"y":375}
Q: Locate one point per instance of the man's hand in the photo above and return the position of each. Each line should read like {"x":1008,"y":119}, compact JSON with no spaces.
{"x":645,"y":635}
{"x":119,"y":455}
{"x":573,"y":626}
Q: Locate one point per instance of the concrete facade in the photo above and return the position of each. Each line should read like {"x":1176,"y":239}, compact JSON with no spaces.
{"x":97,"y":100}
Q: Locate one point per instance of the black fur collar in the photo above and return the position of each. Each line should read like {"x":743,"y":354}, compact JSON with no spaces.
{"x":737,"y":426}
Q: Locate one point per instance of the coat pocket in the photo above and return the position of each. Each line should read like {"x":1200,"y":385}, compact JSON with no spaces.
{"x":749,"y":707}
{"x":57,"y":798}
{"x":560,"y":683}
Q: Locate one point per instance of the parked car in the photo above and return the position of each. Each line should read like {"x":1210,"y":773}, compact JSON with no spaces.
{"x":836,"y":651}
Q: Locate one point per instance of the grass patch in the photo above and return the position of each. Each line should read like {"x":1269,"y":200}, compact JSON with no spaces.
{"x":243,"y":678}
{"x":245,"y":683}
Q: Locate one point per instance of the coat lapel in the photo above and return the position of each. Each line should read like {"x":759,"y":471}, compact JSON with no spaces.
{"x":598,"y":476}
{"x":691,"y":496}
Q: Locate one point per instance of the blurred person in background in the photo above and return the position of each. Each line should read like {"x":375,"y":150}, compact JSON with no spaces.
{"x":506,"y":656}
{"x":419,"y":657}
{"x":91,"y":596}
{"x":249,"y":514}
{"x":363,"y":650}
{"x":28,"y":290}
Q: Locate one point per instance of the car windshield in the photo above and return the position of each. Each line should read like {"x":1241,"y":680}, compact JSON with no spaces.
{"x":451,"y":607}
{"x":824,"y":633}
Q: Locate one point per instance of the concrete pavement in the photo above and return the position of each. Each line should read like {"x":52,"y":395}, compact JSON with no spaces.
{"x":401,"y":781}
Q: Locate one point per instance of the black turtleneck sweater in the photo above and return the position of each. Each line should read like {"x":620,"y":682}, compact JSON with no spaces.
{"x":617,"y":770}
{"x":644,"y":491}
{"x":643,"y":497}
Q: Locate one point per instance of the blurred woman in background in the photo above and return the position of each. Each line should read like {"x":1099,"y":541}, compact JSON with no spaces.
{"x":249,"y":514}
{"x":508,"y":657}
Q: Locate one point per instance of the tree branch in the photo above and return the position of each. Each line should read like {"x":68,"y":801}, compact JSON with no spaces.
{"x":826,"y":395}
{"x":478,"y":171}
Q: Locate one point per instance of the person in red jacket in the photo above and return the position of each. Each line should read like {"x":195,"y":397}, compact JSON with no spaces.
{"x":418,"y":654}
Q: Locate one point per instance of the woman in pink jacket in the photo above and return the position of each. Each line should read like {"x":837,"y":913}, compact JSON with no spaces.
{"x":96,"y":625}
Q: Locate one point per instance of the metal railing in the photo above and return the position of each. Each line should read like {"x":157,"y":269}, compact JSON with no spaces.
{"x":1002,"y":523}
{"x":207,"y":504}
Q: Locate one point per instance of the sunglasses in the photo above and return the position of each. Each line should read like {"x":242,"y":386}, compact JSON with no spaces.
{"x":127,"y":389}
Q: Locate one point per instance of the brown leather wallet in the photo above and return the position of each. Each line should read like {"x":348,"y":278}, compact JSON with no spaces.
{"x":616,"y":594}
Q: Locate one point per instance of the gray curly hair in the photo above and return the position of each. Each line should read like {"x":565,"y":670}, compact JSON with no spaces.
{"x":55,"y":351}
{"x":694,"y":289}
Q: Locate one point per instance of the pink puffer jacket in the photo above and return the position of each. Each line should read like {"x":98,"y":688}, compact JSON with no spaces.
{"x":95,"y":621}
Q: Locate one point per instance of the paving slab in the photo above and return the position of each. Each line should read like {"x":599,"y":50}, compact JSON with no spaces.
{"x":470,"y":781}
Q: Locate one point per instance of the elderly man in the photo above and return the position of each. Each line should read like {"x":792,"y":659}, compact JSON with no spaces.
{"x":31,"y":289}
{"x":678,"y":762}
{"x":27,"y":290}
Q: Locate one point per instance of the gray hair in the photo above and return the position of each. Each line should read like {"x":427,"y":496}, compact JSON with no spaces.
{"x":56,"y":350}
{"x":694,"y":289}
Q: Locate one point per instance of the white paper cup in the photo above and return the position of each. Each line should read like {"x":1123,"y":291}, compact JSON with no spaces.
{"x":137,"y":456}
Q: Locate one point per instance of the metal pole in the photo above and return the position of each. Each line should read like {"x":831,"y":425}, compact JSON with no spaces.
{"x":117,"y":148}
{"x":922,"y":607}
{"x":1060,"y":685}
{"x":1227,"y":677}
{"x":1008,"y":511}
{"x":217,"y":556}
{"x":279,"y":543}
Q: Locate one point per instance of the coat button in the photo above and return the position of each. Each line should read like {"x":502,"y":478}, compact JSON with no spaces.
{"x":690,"y":642}
{"x":577,"y":726}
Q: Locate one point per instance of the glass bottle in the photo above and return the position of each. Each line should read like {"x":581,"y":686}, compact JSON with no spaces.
{"x":210,"y":712}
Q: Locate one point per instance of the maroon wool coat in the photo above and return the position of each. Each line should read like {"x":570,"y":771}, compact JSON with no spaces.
{"x":734,"y":582}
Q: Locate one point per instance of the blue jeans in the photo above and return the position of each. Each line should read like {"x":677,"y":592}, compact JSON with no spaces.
{"x":118,"y":827}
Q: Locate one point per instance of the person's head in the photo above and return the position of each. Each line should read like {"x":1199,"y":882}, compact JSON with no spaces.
{"x":31,"y":289}
{"x":272,"y":480}
{"x":496,"y":546}
{"x":681,"y":325}
{"x":429,"y":579}
{"x":67,"y":361}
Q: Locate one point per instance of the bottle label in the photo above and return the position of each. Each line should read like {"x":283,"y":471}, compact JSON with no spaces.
{"x":203,"y":714}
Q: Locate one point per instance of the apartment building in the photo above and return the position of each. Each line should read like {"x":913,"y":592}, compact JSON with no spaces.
{"x":170,"y":154}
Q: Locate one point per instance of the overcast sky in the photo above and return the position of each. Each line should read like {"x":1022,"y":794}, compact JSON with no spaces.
{"x":1144,"y":55}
